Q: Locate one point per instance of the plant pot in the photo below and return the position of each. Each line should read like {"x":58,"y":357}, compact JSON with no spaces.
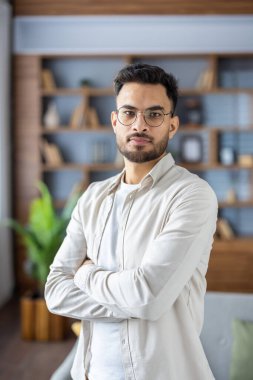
{"x":37,"y":323}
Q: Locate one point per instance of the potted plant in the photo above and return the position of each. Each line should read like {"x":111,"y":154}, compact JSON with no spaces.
{"x":42,"y":236}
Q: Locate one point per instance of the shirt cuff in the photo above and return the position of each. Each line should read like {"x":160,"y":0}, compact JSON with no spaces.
{"x":82,"y":275}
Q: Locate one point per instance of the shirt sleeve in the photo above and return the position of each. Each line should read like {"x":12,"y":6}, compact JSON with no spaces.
{"x":149,"y":290}
{"x":61,"y":294}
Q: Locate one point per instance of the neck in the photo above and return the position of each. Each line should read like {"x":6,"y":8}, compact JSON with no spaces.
{"x":135,"y":172}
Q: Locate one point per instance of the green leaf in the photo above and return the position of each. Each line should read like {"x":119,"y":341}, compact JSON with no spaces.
{"x":45,"y":230}
{"x":42,"y":216}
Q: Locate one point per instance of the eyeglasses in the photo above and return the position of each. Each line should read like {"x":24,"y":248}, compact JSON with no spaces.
{"x":152,"y":117}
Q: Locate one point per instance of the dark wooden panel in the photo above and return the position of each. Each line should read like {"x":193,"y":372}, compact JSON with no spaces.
{"x":26,"y":118}
{"x":87,"y":7}
{"x":231,"y":266}
{"x":26,"y":160}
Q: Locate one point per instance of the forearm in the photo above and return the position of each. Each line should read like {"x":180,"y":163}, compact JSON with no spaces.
{"x":145,"y":292}
{"x":61,"y":294}
{"x":64,"y":298}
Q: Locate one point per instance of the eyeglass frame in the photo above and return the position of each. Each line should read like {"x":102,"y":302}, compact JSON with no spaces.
{"x":142,"y":112}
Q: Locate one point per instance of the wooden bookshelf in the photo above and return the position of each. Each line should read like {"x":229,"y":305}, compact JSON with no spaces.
{"x":222,"y":76}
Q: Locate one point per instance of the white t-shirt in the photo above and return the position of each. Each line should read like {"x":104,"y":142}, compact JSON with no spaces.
{"x":106,"y":360}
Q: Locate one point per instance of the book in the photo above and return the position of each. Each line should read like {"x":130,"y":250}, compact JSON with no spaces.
{"x":205,"y":80}
{"x":77,"y":119}
{"x":93,"y":120}
{"x":84,"y":116}
{"x":224,"y":229}
{"x":48,"y":82}
{"x":51,"y":153}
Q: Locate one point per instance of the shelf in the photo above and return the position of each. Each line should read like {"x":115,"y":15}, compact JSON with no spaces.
{"x":214,"y":166}
{"x":184,"y":128}
{"x":67,"y":129}
{"x":230,"y":167}
{"x":237,"y":243}
{"x":96,"y":167}
{"x":212,"y":128}
{"x":236,"y":129}
{"x":211,"y":91}
{"x":112,"y":166}
{"x":92,"y":91}
{"x":81,"y":91}
{"x":236,"y":204}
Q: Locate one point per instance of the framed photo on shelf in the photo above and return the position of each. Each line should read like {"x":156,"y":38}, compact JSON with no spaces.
{"x":191,"y":149}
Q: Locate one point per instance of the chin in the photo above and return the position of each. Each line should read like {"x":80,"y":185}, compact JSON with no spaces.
{"x":141,"y":156}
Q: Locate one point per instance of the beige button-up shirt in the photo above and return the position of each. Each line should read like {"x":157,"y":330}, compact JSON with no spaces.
{"x":157,"y":292}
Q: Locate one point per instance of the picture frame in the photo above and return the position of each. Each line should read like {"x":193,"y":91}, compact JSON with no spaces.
{"x":191,"y":149}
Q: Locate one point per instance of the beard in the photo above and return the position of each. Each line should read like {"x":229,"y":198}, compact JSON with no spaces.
{"x":139,"y":155}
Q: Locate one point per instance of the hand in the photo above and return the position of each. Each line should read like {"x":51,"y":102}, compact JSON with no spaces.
{"x":88,"y":262}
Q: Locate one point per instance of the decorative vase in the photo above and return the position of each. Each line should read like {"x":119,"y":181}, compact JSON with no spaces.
{"x":51,"y":118}
{"x":37,"y":323}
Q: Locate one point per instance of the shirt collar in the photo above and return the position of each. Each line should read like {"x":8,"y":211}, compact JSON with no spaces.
{"x":159,"y":170}
{"x":116,"y":181}
{"x":150,"y":179}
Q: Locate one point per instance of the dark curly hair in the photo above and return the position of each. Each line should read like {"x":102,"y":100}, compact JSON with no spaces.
{"x":147,"y":74}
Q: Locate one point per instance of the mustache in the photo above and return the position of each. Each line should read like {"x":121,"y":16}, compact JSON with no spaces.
{"x":140,"y":135}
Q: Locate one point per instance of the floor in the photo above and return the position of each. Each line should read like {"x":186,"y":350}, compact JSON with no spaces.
{"x":23,"y":360}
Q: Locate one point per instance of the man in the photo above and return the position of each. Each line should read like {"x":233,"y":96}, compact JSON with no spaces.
{"x":132,"y":266}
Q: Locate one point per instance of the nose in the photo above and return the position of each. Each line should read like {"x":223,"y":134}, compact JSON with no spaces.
{"x":140,"y":123}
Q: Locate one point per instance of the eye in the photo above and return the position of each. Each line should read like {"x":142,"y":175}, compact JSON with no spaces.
{"x":154,"y":114}
{"x":128,"y":113}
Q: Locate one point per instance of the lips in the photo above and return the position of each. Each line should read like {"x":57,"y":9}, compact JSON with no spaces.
{"x":139,"y":139}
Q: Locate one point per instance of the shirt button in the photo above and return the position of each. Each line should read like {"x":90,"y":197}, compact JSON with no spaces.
{"x":123,"y":341}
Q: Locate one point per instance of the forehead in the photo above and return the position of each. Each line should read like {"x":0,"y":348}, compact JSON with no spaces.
{"x":142,"y":96}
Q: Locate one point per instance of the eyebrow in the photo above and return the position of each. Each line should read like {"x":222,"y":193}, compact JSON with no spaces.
{"x":152,"y":108}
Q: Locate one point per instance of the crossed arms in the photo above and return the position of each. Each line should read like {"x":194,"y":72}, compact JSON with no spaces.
{"x":89,"y":292}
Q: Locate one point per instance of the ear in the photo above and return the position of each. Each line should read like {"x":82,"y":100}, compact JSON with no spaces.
{"x":114,"y":120}
{"x":173,"y":127}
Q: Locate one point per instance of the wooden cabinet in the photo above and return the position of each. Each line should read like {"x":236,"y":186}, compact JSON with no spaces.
{"x":215,"y":139}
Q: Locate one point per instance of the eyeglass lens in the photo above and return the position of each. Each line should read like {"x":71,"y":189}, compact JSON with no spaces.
{"x":154,"y":118}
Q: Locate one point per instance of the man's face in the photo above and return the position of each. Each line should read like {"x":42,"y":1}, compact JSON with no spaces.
{"x":140,"y":142}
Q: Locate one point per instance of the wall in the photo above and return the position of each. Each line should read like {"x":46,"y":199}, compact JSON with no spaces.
{"x":131,"y":34}
{"x":6,"y":276}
